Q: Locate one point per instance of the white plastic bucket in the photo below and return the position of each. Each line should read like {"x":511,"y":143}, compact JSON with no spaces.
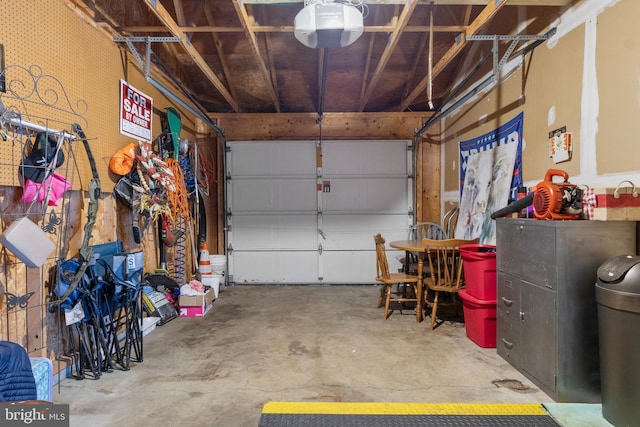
{"x":213,"y":282}
{"x":221,"y":281}
{"x":218,"y":263}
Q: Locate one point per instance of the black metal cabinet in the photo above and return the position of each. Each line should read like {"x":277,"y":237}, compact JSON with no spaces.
{"x":547,"y":326}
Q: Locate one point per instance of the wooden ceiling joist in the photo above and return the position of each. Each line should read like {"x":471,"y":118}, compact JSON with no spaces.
{"x":161,"y":13}
{"x":182,"y":20}
{"x":487,"y":13}
{"x":367,"y":66}
{"x":253,"y":41}
{"x":218,"y":45}
{"x":255,"y":70}
{"x":394,"y":38}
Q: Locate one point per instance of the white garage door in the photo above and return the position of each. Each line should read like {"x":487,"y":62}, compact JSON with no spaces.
{"x":301,"y":213}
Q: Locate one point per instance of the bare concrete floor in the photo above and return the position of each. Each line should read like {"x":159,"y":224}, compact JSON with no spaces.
{"x":292,"y":343}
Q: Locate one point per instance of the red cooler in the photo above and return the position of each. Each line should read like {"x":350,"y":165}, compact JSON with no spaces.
{"x":479,"y":263}
{"x":479,"y":319}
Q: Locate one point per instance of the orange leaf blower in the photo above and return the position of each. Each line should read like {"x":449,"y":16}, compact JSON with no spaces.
{"x":556,"y":200}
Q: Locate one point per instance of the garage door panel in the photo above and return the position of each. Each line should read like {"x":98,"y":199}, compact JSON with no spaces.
{"x":355,"y":157}
{"x":274,"y":195}
{"x":378,"y":195}
{"x":356,"y":231}
{"x":353,"y":267}
{"x":268,"y":159}
{"x":289,"y":267}
{"x":282,"y":232}
{"x":274,"y":202}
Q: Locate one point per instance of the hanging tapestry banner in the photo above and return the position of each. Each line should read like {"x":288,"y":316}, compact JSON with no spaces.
{"x":490,"y":174}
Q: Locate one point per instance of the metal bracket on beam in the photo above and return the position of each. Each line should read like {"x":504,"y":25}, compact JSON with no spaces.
{"x":499,"y":63}
{"x":441,"y":113}
{"x":517,"y":37}
{"x":144,"y":64}
{"x":144,"y":39}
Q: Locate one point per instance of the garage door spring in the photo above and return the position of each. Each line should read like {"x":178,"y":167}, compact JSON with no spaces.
{"x":179,"y":259}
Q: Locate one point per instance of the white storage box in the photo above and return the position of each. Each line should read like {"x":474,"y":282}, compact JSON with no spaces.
{"x":148,"y":324}
{"x":28,"y":242}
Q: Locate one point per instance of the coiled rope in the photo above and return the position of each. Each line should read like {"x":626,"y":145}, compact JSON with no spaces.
{"x":178,"y":200}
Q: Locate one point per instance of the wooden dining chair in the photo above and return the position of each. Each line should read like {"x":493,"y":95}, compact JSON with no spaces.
{"x":449,"y":221}
{"x":419,"y":231}
{"x":446,"y":273}
{"x":401,"y":280}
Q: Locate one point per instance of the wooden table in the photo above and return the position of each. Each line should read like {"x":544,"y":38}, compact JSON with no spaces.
{"x":420,"y":249}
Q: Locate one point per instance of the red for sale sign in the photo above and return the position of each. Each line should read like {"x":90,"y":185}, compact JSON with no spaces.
{"x":136,"y":112}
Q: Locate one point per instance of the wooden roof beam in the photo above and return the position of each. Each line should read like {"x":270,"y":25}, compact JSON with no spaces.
{"x":177,"y":5}
{"x":459,"y":68}
{"x":270,"y":61}
{"x":163,"y":15}
{"x":367,"y":66}
{"x":416,"y":61}
{"x":394,"y":38}
{"x":253,"y":41}
{"x":218,"y":45}
{"x":485,"y":16}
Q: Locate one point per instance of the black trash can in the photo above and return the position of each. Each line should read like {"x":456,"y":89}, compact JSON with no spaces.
{"x":618,"y":298}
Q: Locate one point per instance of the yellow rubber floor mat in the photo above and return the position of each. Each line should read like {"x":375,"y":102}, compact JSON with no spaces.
{"x":368,"y":414}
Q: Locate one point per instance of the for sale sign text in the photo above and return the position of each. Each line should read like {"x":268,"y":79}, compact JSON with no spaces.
{"x":136,"y":112}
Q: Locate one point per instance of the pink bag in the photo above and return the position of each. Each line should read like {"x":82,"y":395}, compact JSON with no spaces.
{"x":38,"y":191}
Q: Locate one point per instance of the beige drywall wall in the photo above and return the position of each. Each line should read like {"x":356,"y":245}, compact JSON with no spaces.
{"x":618,"y":70}
{"x":587,"y":79}
{"x":546,"y":89}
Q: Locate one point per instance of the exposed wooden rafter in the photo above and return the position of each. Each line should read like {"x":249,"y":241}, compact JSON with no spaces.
{"x":177,"y":5}
{"x":487,"y":13}
{"x":253,"y":41}
{"x":270,"y":62}
{"x":394,"y":38}
{"x":221,"y":56}
{"x":367,"y":66}
{"x":241,"y":55}
{"x":414,"y":65}
{"x":459,"y":69}
{"x":161,"y":13}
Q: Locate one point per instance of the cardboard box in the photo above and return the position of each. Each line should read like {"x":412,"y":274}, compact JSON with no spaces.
{"x":194,"y":311}
{"x":197,"y":305}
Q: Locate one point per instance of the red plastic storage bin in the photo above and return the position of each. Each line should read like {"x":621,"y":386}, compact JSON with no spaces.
{"x":479,"y":319}
{"x":479,"y":263}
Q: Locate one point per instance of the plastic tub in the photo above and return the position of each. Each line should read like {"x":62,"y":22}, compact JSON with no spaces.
{"x":479,"y":263}
{"x":218,"y":263}
{"x":479,"y":319}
